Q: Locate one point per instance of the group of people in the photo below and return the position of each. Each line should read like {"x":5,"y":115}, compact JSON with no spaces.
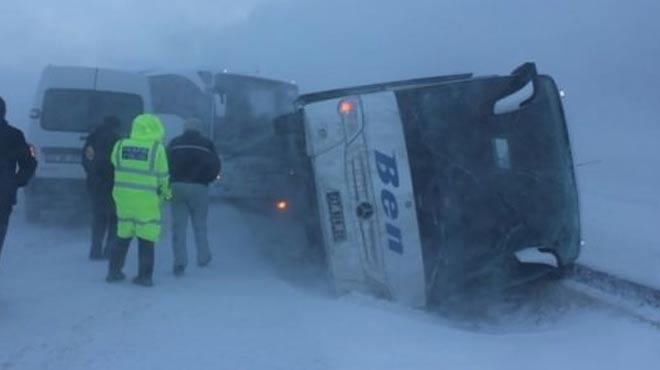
{"x":128,"y":179}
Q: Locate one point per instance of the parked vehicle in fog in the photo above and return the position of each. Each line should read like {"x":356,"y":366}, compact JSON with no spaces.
{"x":70,"y":103}
{"x":237,"y":113}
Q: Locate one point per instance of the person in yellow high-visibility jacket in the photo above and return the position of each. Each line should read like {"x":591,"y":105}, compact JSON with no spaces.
{"x":141,"y":183}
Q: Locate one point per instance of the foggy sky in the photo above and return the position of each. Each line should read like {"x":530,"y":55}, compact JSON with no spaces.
{"x":605,"y":53}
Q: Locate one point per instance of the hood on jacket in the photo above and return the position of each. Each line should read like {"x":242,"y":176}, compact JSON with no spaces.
{"x":147,"y":127}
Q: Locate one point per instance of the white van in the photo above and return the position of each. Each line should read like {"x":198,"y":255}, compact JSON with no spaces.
{"x":70,"y":102}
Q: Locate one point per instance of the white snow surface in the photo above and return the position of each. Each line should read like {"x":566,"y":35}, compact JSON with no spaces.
{"x":244,"y":312}
{"x":620,"y":197}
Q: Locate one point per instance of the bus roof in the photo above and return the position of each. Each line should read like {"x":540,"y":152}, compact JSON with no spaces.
{"x":198,"y":76}
{"x":524,"y":72}
{"x":261,"y":80}
{"x":374,"y":88}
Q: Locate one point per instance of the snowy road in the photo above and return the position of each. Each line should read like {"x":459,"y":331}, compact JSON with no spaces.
{"x":620,"y":201}
{"x":56,"y":312}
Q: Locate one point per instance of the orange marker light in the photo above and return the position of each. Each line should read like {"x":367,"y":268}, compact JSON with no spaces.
{"x":346,"y":107}
{"x":282,"y":205}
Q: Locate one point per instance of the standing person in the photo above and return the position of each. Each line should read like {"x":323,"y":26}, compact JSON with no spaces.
{"x":14,"y":151}
{"x":141,"y":183}
{"x":100,"y":177}
{"x":194,"y":164}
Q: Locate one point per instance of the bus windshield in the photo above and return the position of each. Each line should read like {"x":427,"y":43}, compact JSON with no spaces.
{"x":179,"y":96}
{"x":250,"y":108}
{"x":486,"y":183}
{"x":237,"y":112}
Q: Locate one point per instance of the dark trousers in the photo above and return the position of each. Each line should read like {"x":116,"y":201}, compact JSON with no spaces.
{"x":146,"y":256}
{"x":104,"y":224}
{"x":5,"y":211}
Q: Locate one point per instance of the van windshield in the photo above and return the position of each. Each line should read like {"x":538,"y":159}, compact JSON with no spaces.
{"x":73,"y":110}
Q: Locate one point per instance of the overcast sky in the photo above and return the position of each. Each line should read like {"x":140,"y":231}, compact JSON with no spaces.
{"x":605,"y":53}
{"x":113,"y":32}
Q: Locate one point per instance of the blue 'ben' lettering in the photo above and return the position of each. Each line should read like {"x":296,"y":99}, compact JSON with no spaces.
{"x":387,"y":171}
{"x":394,"y":241}
{"x":389,"y":175}
{"x":389,"y":204}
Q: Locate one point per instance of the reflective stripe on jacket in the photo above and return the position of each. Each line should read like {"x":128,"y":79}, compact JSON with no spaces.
{"x":141,"y":179}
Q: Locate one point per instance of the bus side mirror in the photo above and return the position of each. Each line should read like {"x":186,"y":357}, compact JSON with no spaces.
{"x":291,"y":123}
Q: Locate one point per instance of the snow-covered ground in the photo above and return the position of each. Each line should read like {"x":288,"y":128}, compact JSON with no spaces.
{"x":243,"y":312}
{"x":620,"y":196}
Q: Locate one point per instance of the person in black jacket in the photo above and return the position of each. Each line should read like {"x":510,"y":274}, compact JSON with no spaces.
{"x":14,"y":152}
{"x":100,"y":180}
{"x":194,"y":164}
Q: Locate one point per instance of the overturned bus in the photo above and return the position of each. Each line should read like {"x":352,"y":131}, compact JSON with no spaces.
{"x":428,"y":188}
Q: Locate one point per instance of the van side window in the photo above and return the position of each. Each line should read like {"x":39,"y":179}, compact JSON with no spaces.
{"x":76,"y":110}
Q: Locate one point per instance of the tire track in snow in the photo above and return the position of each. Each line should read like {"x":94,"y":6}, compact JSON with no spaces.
{"x":633,"y":299}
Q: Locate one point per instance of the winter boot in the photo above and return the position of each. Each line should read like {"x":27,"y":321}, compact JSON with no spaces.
{"x":179,"y":270}
{"x":144,"y":281}
{"x":115,"y":276}
{"x":205,"y":262}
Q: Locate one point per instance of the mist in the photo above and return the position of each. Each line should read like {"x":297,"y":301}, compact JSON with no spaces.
{"x":604,"y":51}
{"x":605,"y":55}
